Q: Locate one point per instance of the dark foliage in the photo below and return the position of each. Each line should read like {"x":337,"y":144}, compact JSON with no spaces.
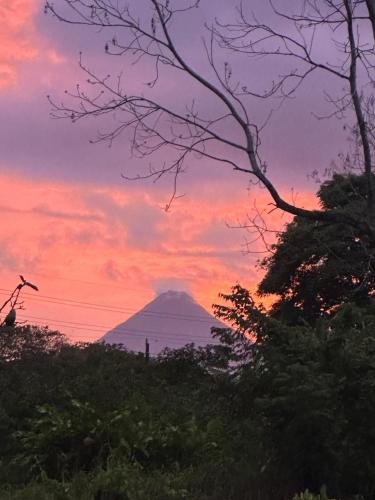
{"x":316,"y":266}
{"x":100,"y":421}
{"x":309,"y":392}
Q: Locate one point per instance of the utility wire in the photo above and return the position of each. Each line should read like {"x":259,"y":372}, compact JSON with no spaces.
{"x":129,"y":332}
{"x":115,"y":329}
{"x":97,"y":283}
{"x":86,"y":282}
{"x":93,"y":306}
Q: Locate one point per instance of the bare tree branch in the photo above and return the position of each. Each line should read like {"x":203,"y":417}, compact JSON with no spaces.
{"x":156,"y":125}
{"x":13,"y":301}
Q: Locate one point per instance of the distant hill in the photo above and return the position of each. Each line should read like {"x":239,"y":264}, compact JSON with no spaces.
{"x":172,"y":319}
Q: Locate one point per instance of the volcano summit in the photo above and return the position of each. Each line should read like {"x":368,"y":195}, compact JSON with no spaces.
{"x":172,"y":319}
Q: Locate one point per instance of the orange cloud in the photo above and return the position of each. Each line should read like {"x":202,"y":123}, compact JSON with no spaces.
{"x":21,"y":43}
{"x":17,"y":37}
{"x":115,"y":247}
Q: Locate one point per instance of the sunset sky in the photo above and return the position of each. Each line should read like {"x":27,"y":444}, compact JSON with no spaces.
{"x":100,"y":247}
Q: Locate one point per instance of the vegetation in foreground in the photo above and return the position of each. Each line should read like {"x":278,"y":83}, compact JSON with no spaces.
{"x":288,"y":415}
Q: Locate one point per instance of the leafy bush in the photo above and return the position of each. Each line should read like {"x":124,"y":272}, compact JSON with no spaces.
{"x":307,"y":495}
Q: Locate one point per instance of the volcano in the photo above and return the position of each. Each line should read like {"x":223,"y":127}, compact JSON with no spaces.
{"x":173,"y":319}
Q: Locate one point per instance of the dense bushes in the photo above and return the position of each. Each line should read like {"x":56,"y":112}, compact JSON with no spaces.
{"x":95,"y":419}
{"x":91,"y":421}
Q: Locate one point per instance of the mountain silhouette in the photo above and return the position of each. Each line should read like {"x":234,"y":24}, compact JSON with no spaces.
{"x":172,"y":319}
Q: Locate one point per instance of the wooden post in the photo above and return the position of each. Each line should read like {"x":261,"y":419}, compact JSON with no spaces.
{"x":147,"y":351}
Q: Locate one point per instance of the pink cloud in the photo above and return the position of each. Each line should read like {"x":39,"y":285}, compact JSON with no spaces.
{"x":110,"y":246}
{"x":17,"y":38}
{"x":20,"y":43}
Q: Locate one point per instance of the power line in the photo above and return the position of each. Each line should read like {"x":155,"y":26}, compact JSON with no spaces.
{"x":100,"y":307}
{"x":96,"y":283}
{"x":115,"y":329}
{"x":85,"y":282}
{"x":130,"y":332}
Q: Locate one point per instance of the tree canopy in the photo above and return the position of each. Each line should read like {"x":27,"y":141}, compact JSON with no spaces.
{"x":315,"y":267}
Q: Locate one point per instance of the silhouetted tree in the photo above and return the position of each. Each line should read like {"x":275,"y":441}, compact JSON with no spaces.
{"x":146,"y":32}
{"x":315,"y":267}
